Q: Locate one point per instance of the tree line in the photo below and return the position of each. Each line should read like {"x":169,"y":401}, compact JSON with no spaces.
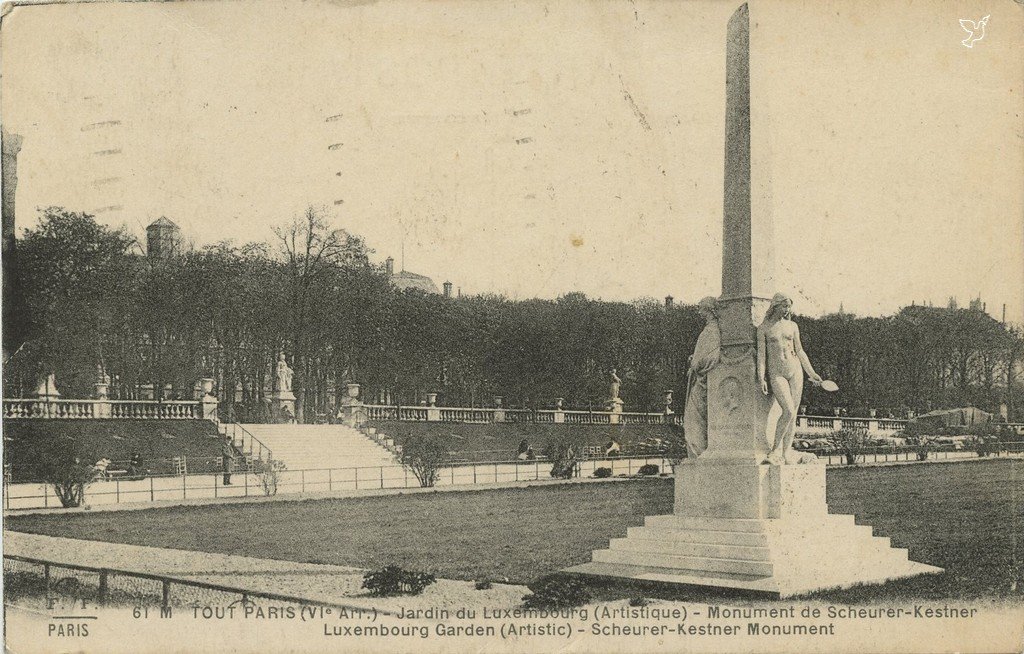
{"x":84,"y":295}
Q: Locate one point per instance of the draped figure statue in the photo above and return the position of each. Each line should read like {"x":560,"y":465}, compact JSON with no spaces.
{"x":284,"y":375}
{"x":705,"y":356}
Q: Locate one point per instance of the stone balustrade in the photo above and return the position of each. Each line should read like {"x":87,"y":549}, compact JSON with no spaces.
{"x":806,"y":425}
{"x":433,"y":413}
{"x":453,"y":414}
{"x":102,"y":408}
{"x":822,"y":425}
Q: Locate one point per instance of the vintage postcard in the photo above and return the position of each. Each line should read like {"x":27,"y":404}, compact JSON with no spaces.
{"x":463,"y":326}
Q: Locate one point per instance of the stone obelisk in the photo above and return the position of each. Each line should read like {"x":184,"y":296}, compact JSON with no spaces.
{"x":739,"y":522}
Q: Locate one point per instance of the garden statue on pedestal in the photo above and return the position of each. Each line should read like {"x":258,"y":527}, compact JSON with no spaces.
{"x":284,"y":375}
{"x":48,"y":388}
{"x":283,"y":398}
{"x":615,"y":403}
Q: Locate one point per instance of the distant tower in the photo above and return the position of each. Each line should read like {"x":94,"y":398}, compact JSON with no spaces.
{"x":11,"y":146}
{"x":389,"y":266}
{"x":447,"y":289}
{"x":163,"y":239}
{"x":669,"y":301}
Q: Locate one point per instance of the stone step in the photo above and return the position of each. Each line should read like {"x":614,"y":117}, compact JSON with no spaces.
{"x":704,"y":524}
{"x":703,"y":550}
{"x":325,"y":449}
{"x":321,"y":447}
{"x":749,"y":539}
{"x":896,"y":553}
{"x":706,"y":564}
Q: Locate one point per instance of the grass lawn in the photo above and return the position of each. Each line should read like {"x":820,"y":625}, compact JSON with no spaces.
{"x":964,"y":517}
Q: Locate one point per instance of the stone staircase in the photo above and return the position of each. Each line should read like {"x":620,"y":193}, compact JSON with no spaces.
{"x":781,"y":557}
{"x":773,"y":535}
{"x":308,"y":447}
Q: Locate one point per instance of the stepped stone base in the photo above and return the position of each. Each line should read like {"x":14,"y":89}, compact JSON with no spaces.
{"x":786,"y":544}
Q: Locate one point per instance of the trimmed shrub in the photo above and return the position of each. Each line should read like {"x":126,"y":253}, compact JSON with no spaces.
{"x":850,"y":442}
{"x":425,"y":454}
{"x":392,"y":580}
{"x":648,"y":470}
{"x":602,"y":473}
{"x":557,"y":592}
{"x":922,"y":445}
{"x":268,"y":473}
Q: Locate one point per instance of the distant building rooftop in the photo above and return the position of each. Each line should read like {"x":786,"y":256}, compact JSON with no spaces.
{"x":405,"y":279}
{"x":163,"y":221}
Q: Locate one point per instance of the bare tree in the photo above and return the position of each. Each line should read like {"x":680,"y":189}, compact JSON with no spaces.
{"x":311,"y":250}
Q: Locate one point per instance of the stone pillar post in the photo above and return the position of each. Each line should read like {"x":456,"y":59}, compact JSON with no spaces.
{"x":499,"y":409}
{"x":208,"y":405}
{"x":352,"y":412}
{"x":101,"y":407}
{"x":433,"y":412}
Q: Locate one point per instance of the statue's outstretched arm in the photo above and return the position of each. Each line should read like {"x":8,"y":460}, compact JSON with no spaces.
{"x":804,"y":361}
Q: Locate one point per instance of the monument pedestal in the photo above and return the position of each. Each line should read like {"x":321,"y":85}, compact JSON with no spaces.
{"x":759,"y":528}
{"x":283,"y":403}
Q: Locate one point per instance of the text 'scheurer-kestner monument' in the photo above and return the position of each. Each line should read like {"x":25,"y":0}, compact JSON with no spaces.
{"x":739,"y":522}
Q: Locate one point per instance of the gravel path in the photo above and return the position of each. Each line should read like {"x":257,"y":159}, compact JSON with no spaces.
{"x":329,"y":584}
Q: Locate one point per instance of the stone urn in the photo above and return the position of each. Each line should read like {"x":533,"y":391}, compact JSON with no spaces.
{"x":352,"y":390}
{"x":558,"y":403}
{"x":431,"y":399}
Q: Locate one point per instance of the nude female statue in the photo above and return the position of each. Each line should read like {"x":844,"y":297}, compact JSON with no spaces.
{"x":781,"y":362}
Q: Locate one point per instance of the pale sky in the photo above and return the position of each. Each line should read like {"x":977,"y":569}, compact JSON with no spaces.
{"x":535,"y":149}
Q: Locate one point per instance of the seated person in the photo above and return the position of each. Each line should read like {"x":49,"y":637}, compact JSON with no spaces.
{"x":100,"y":468}
{"x":524,"y":449}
